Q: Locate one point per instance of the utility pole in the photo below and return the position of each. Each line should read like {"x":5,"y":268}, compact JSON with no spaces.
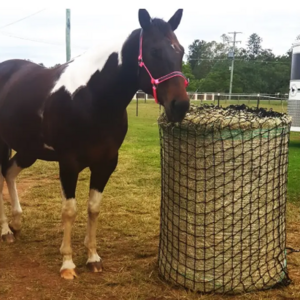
{"x":68,"y":37}
{"x":232,"y":62}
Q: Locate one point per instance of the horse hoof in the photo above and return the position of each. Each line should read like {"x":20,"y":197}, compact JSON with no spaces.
{"x":8,"y":238}
{"x":95,"y":266}
{"x":68,"y":274}
{"x":15,"y":232}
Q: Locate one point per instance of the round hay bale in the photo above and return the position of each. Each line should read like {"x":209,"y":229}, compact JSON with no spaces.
{"x":224,"y":184}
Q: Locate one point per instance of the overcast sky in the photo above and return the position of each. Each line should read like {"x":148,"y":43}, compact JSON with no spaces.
{"x":41,"y":38}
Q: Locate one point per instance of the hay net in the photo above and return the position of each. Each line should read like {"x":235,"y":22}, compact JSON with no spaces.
{"x":223,"y":199}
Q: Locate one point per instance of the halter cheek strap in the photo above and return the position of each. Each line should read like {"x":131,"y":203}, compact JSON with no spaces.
{"x":156,"y":82}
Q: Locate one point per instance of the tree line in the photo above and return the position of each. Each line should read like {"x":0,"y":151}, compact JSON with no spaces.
{"x":256,"y":70}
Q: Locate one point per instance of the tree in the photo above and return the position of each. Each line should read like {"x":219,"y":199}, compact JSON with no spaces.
{"x":226,"y":38}
{"x":196,"y":50}
{"x":257,"y":70}
{"x":202,"y":56}
{"x":187,"y":71}
{"x":254,"y":47}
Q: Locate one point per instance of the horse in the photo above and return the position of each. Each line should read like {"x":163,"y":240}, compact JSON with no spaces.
{"x":75,"y":114}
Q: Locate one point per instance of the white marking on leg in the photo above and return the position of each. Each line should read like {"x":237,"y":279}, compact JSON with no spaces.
{"x":68,"y":264}
{"x":90,"y":238}
{"x":94,"y":201}
{"x":3,"y":219}
{"x":80,"y":70}
{"x":69,"y":211}
{"x":48,"y":147}
{"x":10,"y":177}
{"x":94,"y":257}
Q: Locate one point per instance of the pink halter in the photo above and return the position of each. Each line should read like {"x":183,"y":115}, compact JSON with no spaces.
{"x":156,"y":82}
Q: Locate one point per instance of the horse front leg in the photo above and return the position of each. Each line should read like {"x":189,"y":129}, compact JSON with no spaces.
{"x":68,"y":179}
{"x":100,"y":174}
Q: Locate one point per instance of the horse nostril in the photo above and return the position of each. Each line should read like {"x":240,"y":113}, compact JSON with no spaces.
{"x":180,"y":106}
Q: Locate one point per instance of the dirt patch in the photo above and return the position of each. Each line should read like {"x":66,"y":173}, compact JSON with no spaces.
{"x":23,"y":187}
{"x":127,"y":241}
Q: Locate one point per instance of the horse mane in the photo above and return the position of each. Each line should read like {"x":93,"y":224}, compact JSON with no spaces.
{"x":81,"y":68}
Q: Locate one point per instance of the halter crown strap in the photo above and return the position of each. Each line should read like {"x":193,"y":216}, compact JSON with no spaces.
{"x":156,"y":82}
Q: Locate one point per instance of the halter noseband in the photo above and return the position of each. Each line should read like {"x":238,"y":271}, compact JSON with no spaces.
{"x":156,"y":82}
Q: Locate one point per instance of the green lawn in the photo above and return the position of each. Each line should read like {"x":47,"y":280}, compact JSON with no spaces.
{"x":128,"y":228}
{"x":143,"y":137}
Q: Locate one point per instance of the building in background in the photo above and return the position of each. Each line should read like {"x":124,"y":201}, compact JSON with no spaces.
{"x":294,"y":93}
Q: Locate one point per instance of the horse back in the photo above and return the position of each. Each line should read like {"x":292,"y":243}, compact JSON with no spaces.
{"x":24,"y":84}
{"x":24,"y":88}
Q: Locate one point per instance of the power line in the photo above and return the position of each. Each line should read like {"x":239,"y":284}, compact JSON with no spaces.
{"x":27,"y":39}
{"x":245,"y":60}
{"x":38,"y":41}
{"x":22,"y":19}
{"x":265,"y":61}
{"x":232,"y":63}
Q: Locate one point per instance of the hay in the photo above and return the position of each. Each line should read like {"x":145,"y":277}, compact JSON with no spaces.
{"x":224,"y":175}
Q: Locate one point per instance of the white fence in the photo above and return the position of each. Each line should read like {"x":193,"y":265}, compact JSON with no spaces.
{"x":140,"y":95}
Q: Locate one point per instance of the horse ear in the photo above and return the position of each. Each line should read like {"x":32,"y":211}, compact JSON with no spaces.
{"x":175,"y":20}
{"x":144,"y":18}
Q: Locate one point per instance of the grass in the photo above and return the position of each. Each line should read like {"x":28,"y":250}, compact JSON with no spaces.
{"x":128,"y":230}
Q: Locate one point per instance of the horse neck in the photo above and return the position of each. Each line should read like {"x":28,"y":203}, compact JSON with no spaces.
{"x":118,"y":97}
{"x":127,"y":85}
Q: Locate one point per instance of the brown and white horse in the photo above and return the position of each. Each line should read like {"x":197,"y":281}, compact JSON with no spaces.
{"x":75,"y":114}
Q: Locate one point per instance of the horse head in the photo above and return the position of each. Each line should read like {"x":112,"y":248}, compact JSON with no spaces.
{"x":160,"y":63}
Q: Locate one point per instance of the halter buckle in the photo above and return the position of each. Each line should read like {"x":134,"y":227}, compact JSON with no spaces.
{"x":140,"y":61}
{"x":154,"y":82}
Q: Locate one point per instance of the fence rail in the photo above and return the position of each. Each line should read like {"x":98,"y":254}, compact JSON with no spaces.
{"x":140,"y":95}
{"x":219,"y":98}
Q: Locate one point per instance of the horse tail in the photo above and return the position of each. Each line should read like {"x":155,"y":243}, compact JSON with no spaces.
{"x":5,"y":154}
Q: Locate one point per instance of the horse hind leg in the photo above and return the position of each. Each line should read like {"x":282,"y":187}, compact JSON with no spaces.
{"x":14,"y":166}
{"x":6,"y":232}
